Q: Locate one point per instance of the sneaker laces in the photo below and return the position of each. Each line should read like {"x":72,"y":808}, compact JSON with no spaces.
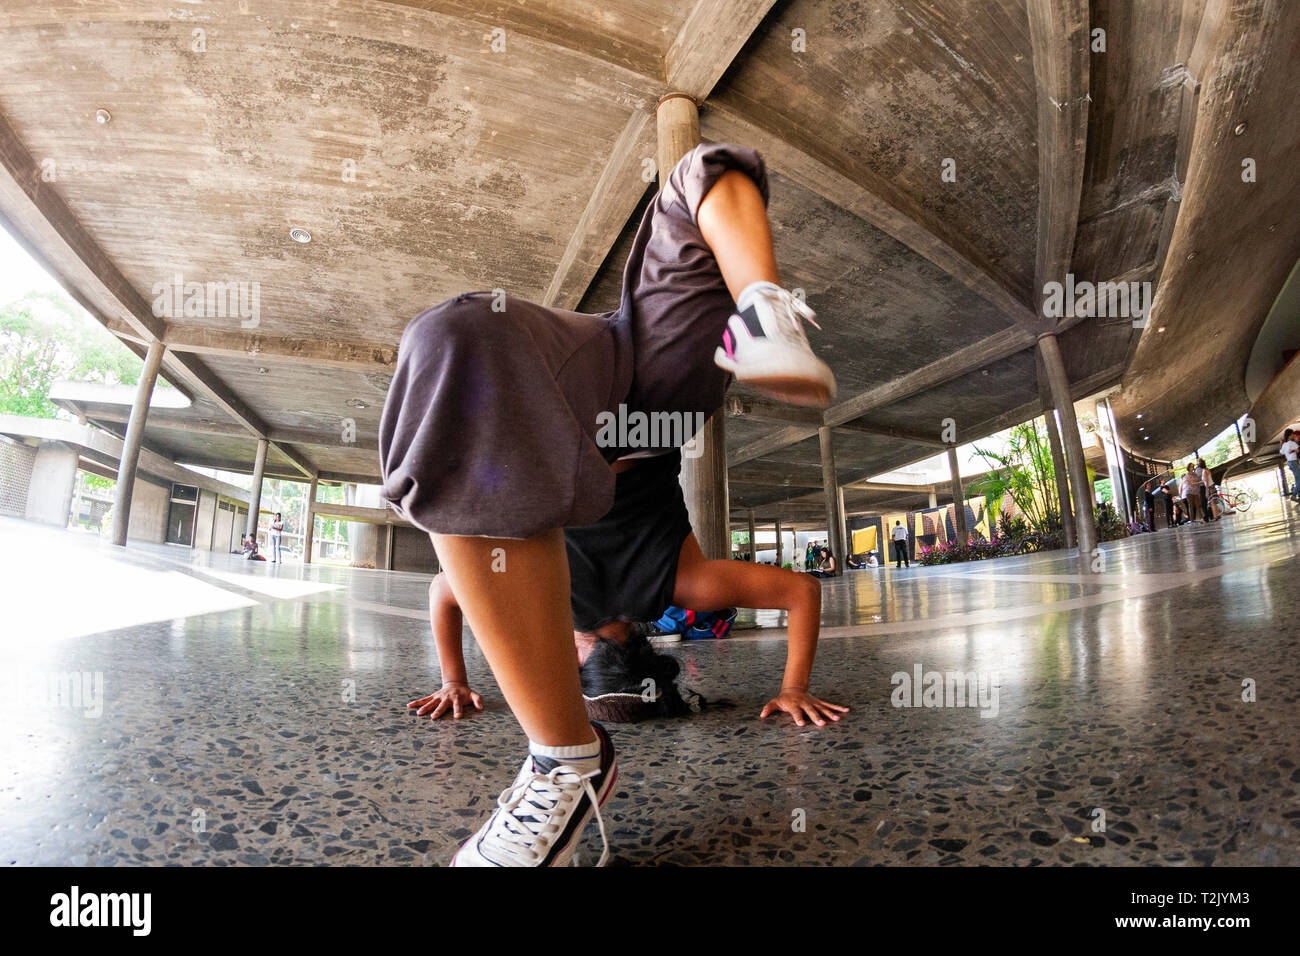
{"x":523,"y":830}
{"x":794,"y":310}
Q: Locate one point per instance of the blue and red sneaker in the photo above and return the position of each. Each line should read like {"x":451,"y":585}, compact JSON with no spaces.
{"x":711,"y":625}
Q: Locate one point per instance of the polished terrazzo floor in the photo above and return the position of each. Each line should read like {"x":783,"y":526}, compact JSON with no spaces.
{"x":253,"y":714}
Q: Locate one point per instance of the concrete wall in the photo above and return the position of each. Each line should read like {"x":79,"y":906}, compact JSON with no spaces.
{"x":203,"y":520}
{"x":149,"y":504}
{"x":54,"y":477}
{"x":16,"y":461}
{"x":413,"y":551}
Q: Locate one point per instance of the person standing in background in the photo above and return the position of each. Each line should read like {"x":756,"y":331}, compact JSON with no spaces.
{"x":1207,"y":489}
{"x":1192,"y":494}
{"x":1290,"y":452}
{"x":899,"y":534}
{"x":1149,"y":505}
{"x":277,"y":529}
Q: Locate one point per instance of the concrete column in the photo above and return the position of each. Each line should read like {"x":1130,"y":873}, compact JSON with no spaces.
{"x":830,"y":485}
{"x":212,"y":531}
{"x":958,"y":498}
{"x":255,"y":500}
{"x":934,"y":498}
{"x":131,"y":444}
{"x":390,"y":538}
{"x":677,"y":123}
{"x":753,"y":545}
{"x":704,"y":477}
{"x":1054,"y":368}
{"x":779,"y":546}
{"x":1062,"y":477}
{"x":1114,"y":462}
{"x":309,"y":533}
{"x":52,"y":485}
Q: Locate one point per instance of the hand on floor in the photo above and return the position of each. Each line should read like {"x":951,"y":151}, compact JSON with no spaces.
{"x":453,"y":697}
{"x":799,"y":703}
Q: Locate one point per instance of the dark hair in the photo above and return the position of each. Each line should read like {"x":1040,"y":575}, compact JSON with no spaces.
{"x":277,"y":514}
{"x":613,"y":679}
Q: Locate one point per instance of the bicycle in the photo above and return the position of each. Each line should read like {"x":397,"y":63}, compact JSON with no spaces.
{"x":1231,"y":500}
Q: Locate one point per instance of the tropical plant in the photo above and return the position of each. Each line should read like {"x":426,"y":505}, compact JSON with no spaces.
{"x":1025,"y":473}
{"x":1109,"y":524}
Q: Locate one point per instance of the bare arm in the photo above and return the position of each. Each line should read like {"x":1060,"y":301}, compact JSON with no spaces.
{"x":455,"y":692}
{"x":704,"y":585}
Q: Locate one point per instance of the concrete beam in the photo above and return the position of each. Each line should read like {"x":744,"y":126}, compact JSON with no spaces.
{"x":272,"y":349}
{"x":767,"y":410}
{"x":1058,"y":33}
{"x":713,"y":33}
{"x":611,"y":204}
{"x":986,"y":351}
{"x":37,"y":213}
{"x":861,"y":194}
{"x":885,"y":431}
{"x":101,"y":453}
{"x":992,"y":349}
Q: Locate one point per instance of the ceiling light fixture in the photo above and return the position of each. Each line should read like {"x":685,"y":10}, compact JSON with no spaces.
{"x":1241,"y":128}
{"x":1161,"y":329}
{"x":299,"y":234}
{"x":102,"y":116}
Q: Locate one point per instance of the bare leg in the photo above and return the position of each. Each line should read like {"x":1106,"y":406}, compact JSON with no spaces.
{"x":733,"y":221}
{"x":515,"y":594}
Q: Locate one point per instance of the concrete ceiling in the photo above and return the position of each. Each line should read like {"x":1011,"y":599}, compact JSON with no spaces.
{"x":521,"y":169}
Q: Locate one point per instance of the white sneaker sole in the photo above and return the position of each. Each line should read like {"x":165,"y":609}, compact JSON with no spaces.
{"x":791,"y":375}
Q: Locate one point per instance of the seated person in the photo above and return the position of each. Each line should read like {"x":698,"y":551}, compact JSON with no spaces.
{"x":854,"y":563}
{"x":825,"y":567}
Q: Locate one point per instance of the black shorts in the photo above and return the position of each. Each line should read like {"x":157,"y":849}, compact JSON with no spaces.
{"x":624,"y":567}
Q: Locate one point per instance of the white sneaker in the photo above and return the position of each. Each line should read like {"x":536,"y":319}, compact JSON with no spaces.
{"x":765,"y":345}
{"x":540,"y":818}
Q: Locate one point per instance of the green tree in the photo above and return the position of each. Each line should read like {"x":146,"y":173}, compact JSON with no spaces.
{"x":46,"y":337}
